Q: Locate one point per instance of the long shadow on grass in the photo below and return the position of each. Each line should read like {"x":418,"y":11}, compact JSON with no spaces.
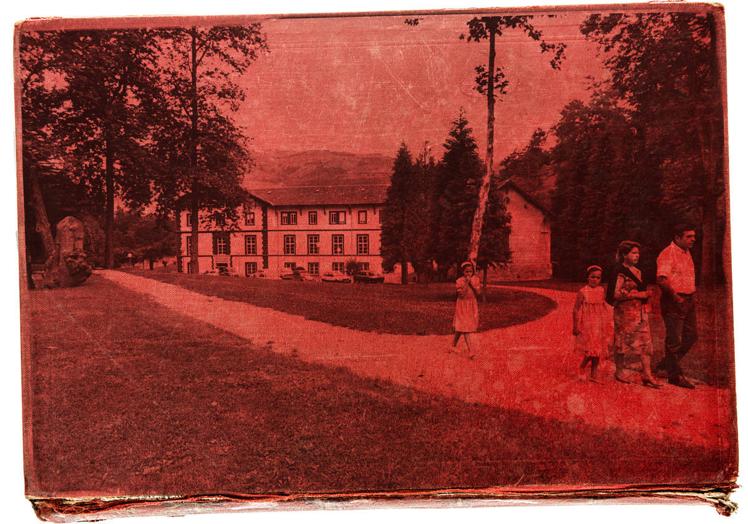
{"x":130,"y":398}
{"x":406,"y":310}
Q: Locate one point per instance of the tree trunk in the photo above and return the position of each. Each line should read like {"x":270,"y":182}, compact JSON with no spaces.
{"x":480,"y":210}
{"x":109,"y":206}
{"x":43,"y":227}
{"x":194,"y":202}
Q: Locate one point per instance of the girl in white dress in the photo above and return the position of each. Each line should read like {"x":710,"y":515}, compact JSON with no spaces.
{"x":593,"y":323}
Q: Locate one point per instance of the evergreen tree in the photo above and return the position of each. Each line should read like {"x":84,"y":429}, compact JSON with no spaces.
{"x":394,"y":247}
{"x":458,"y":182}
{"x":419,"y":215}
{"x":604,"y":191}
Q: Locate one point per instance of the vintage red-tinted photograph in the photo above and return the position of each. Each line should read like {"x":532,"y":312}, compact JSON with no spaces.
{"x":461,"y":255}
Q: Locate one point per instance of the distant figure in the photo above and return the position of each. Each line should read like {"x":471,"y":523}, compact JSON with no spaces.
{"x":677,"y":279}
{"x":593,"y":323}
{"x":628,"y":293}
{"x":466,"y":309}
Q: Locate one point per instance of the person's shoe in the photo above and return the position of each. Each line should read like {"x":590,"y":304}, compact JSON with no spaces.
{"x":650,"y":383}
{"x":621,"y":379}
{"x":681,"y":382}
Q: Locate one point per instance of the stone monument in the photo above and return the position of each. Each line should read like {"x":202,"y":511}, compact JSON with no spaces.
{"x":73,"y":267}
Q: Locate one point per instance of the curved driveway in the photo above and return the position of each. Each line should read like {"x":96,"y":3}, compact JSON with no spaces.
{"x":528,"y":367}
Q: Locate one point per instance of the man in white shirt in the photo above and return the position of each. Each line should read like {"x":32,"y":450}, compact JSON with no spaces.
{"x":677,"y":279}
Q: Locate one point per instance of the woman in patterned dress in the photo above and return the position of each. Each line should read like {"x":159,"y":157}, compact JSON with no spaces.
{"x":630,"y":317}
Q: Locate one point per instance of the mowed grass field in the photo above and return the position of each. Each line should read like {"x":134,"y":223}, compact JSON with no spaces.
{"x":126,"y":397}
{"x":383,"y":308}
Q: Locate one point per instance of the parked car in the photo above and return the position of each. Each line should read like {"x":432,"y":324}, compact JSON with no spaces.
{"x":336,"y":276}
{"x":297,"y":273}
{"x":368,"y":277}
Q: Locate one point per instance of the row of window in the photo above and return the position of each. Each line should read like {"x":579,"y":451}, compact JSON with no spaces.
{"x":251,"y":268}
{"x":312,"y":244}
{"x":290,"y":218}
{"x":222,"y":244}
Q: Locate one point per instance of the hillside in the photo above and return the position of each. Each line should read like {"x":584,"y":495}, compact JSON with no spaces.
{"x":317,"y":168}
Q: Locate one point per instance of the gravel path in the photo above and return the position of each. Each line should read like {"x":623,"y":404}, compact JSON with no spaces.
{"x":528,"y":367}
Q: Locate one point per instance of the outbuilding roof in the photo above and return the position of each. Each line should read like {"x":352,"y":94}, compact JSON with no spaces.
{"x":510,"y":182}
{"x":322,"y":195}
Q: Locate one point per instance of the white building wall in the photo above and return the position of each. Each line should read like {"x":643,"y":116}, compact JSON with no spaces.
{"x":529,"y":241}
{"x":276,"y":258}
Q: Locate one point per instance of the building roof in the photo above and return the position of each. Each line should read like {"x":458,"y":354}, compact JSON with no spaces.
{"x":322,"y":195}
{"x":509,"y":182}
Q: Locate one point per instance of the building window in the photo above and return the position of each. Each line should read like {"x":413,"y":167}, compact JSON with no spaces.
{"x":313,"y":268}
{"x":288,"y":218}
{"x":250,"y":244}
{"x":312,"y":217}
{"x":338,"y":266}
{"x":312,"y":244}
{"x":220,"y":220}
{"x":337,"y":217}
{"x":188,"y":245}
{"x":337,"y":244}
{"x":289,"y":244}
{"x":250,"y":268}
{"x":362,"y":217}
{"x":221,"y":245}
{"x":363,"y":266}
{"x":289,"y":265}
{"x":249,"y":218}
{"x":189,"y":219}
{"x":362,"y":244}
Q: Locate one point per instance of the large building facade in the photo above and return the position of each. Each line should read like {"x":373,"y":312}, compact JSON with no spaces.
{"x":321,"y":228}
{"x":317,"y":228}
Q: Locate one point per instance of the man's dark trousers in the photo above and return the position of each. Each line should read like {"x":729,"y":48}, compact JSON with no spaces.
{"x":680,"y":332}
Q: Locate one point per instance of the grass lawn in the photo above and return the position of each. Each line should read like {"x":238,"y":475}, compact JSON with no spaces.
{"x":413,"y":310}
{"x":126,"y":397}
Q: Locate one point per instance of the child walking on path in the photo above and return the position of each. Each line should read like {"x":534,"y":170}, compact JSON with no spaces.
{"x":466,"y":308}
{"x":593,"y":323}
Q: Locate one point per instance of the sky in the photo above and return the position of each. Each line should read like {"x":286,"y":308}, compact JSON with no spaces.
{"x":364,"y":85}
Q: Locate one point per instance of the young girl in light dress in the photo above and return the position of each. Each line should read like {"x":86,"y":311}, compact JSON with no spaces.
{"x":466,"y":308}
{"x":593,"y":323}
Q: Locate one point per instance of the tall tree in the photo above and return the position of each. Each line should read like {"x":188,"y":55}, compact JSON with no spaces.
{"x":106,"y":77}
{"x":49,"y":192}
{"x":395,"y":213}
{"x":419,"y":215}
{"x":460,"y":173}
{"x":201,"y":92}
{"x":491,"y":80}
{"x":665,"y":66}
{"x":37,"y":53}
